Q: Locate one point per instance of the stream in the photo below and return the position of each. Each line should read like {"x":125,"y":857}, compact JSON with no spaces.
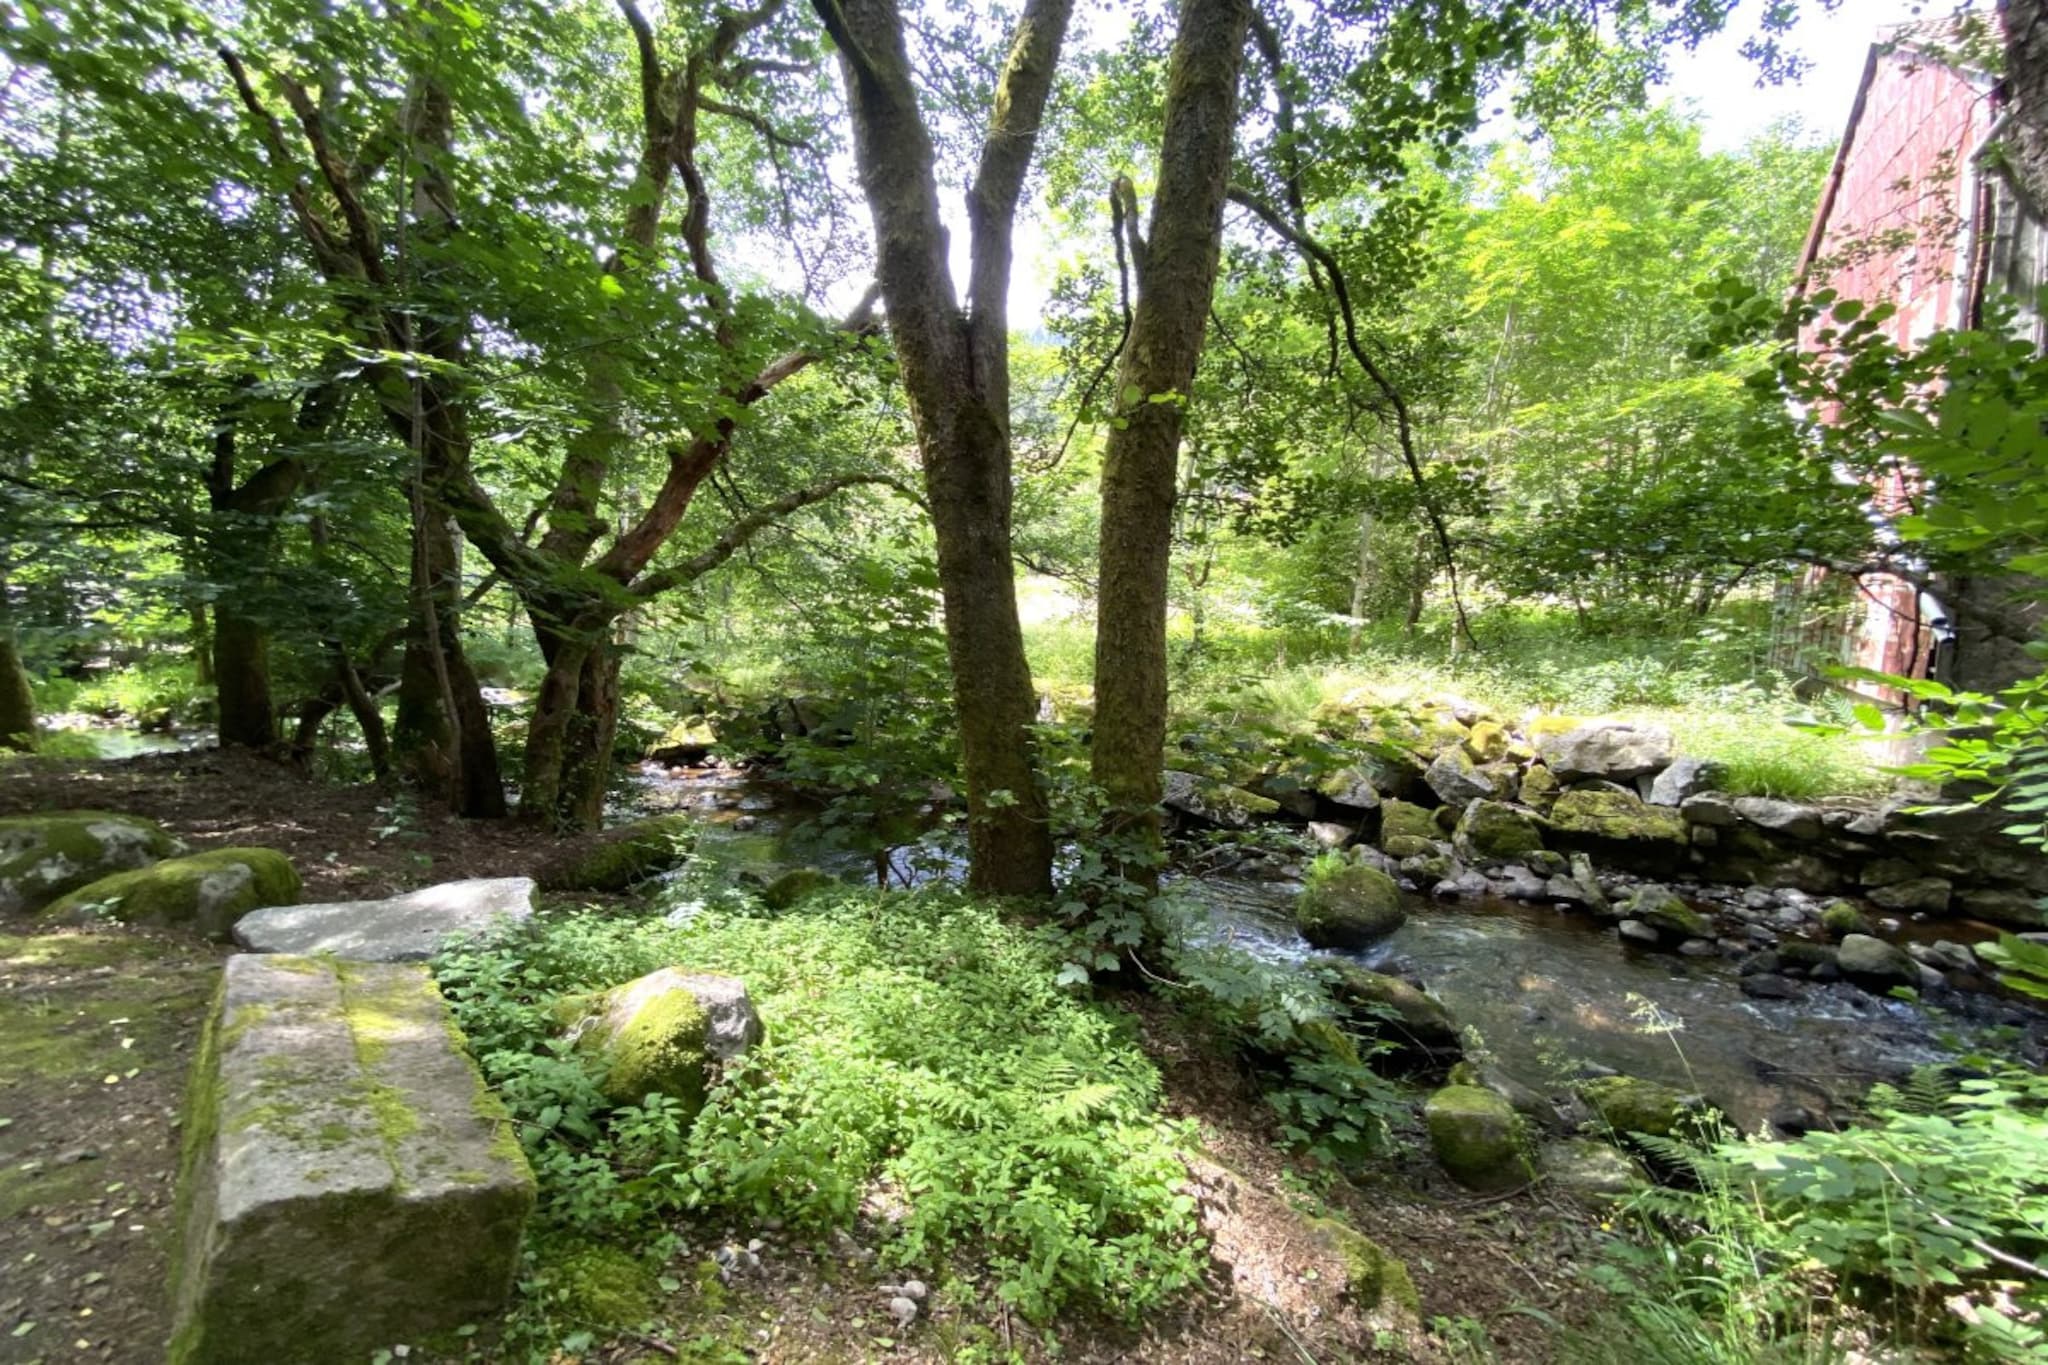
{"x":1553,"y":995}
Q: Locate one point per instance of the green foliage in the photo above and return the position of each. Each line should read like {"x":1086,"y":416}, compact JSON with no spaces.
{"x":919,"y":1054}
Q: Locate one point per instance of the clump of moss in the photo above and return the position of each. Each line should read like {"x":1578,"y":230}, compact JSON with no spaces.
{"x":623,"y":857}
{"x":601,"y":1286}
{"x":204,"y":891}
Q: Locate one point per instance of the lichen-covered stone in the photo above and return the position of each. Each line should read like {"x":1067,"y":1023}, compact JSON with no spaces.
{"x":1406,"y":846}
{"x":408,"y":928}
{"x":1627,"y":1104}
{"x":1487,"y":741}
{"x":208,"y":892}
{"x":623,"y":857}
{"x":794,"y":885}
{"x":1373,"y":1278}
{"x":1661,"y":909}
{"x":688,"y":741}
{"x":1539,"y":788}
{"x":1620,"y":828}
{"x":1478,"y":1138}
{"x":1594,"y":1169}
{"x":1215,"y":802}
{"x":1351,"y":789}
{"x":1348,"y":906}
{"x":1397,"y":1011}
{"x":44,"y":857}
{"x":660,"y":1034}
{"x":1496,"y":830}
{"x":348,"y":1182}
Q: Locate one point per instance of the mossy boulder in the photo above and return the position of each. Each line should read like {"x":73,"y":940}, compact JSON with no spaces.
{"x":44,"y":857}
{"x":1840,"y":919}
{"x":1592,"y":1169}
{"x":795,"y":885}
{"x":661,"y":1033}
{"x":1395,"y":1010}
{"x":620,"y":858}
{"x":1348,"y":906}
{"x":1661,"y":908}
{"x":1619,"y":827}
{"x":1478,"y":1138}
{"x":1627,"y":1104}
{"x":1406,"y":846}
{"x":1404,"y":819}
{"x":1496,"y":831}
{"x":1373,"y":1278}
{"x":1872,"y":963}
{"x":1215,"y":802}
{"x":1487,"y":741}
{"x":687,"y":742}
{"x":206,"y":892}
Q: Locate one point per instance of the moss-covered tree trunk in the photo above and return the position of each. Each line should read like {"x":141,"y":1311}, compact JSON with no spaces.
{"x":1176,"y":268}
{"x":442,"y":740}
{"x":574,"y":725}
{"x":955,"y":366}
{"x":17,"y":699}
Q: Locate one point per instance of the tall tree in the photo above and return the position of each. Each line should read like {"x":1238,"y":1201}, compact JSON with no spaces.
{"x":956,"y":375}
{"x":1175,"y":265}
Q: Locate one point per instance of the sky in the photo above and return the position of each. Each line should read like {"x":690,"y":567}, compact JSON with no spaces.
{"x":1716,"y":78}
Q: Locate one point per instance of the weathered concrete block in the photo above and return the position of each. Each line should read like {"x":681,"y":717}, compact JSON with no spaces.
{"x":348,"y":1181}
{"x":407,"y":928}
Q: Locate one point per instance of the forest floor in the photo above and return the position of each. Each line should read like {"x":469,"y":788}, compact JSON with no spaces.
{"x":97,"y":1031}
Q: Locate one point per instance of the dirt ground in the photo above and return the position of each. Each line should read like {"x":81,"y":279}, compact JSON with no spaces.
{"x":97,"y":1030}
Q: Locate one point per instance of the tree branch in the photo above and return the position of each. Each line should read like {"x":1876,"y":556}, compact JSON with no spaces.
{"x":746,"y":528}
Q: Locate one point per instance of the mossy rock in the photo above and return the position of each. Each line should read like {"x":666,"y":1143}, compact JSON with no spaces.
{"x":1406,"y":846}
{"x":1662,"y":909}
{"x":206,"y":891}
{"x":1487,"y":741}
{"x":1400,"y":819}
{"x":1374,"y":1278}
{"x":1478,"y":1138}
{"x":44,"y":857}
{"x":1496,"y":830}
{"x":601,"y":1286}
{"x":623,"y":857}
{"x":1348,"y":907}
{"x":795,"y":885}
{"x":660,"y":1034}
{"x":1395,"y":1010}
{"x":1840,"y":919}
{"x":1621,"y":826}
{"x":686,"y":742}
{"x":1628,"y":1104}
{"x":1539,"y":788}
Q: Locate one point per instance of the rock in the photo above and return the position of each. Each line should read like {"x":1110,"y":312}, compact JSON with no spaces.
{"x":621,"y":857}
{"x":1699,"y":947}
{"x":206,"y":892}
{"x":1621,"y":828}
{"x":1350,"y":789}
{"x":1373,"y":1278}
{"x":348,"y":1180}
{"x":1661,"y":908}
{"x":903,"y":1308}
{"x":43,"y":857}
{"x":1710,"y":809}
{"x":1406,"y":846}
{"x":1686,"y":777}
{"x":1348,"y":907}
{"x":1929,"y":894}
{"x":1455,"y":780}
{"x":1635,"y":931}
{"x":1395,"y":1010}
{"x":1797,"y":952}
{"x":1872,"y":963}
{"x":407,"y":928}
{"x":2002,"y":905}
{"x":659,"y":1034}
{"x":1402,"y":818}
{"x":1588,"y":884}
{"x":1519,"y":883}
{"x":1627,"y":1104}
{"x":687,"y":743}
{"x":1329,"y":834}
{"x":1606,"y":749}
{"x":1769,"y":987}
{"x":1477,"y":1137}
{"x":1495,"y":830}
{"x":1840,"y":918}
{"x":1212,"y":802}
{"x":1780,"y":817}
{"x":1945,"y":955}
{"x":1487,"y":741}
{"x":1428,"y":867}
{"x":1887,"y":871}
{"x":794,"y":885}
{"x":1539,"y":788}
{"x":1584,"y":1167}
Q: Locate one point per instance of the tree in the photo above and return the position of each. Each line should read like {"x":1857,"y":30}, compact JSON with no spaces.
{"x":955,"y":366}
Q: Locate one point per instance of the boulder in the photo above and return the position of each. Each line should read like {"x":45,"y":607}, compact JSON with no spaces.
{"x":2003,"y":905}
{"x":348,"y":1181}
{"x":1456,"y":780}
{"x":1929,"y":894}
{"x":1374,"y":1279}
{"x":1406,"y":846}
{"x":1539,"y":788}
{"x":687,"y":743}
{"x":1496,"y":830}
{"x":1686,"y":777}
{"x":1621,"y":829}
{"x":1874,"y":964}
{"x":1330,"y":833}
{"x":1584,"y":1167}
{"x":207,"y":892}
{"x":1487,"y":741}
{"x":1478,"y":1138}
{"x":1348,"y":906}
{"x":619,"y":858}
{"x":1349,"y":789}
{"x":1608,"y":749}
{"x":1780,"y":817}
{"x":408,"y":928}
{"x":1396,"y":1010}
{"x":1629,"y":1105}
{"x":1661,"y":909}
{"x":1215,"y":803}
{"x":1710,"y":809}
{"x":43,"y":857}
{"x":660,"y":1033}
{"x":1400,"y":819}
{"x":1840,"y":919}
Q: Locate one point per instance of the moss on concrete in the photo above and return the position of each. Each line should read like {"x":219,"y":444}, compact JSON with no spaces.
{"x":204,"y":891}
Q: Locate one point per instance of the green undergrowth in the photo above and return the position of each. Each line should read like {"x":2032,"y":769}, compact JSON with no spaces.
{"x":920,"y":1059}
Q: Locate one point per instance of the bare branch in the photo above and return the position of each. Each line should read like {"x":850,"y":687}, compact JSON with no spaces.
{"x":757,"y":122}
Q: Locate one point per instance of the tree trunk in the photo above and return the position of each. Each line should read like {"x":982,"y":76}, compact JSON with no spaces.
{"x":442,"y":741}
{"x":955,"y":367}
{"x":1176,"y":279}
{"x":2025,"y":24}
{"x":587,"y":761}
{"x":202,"y":645}
{"x":241,"y":671}
{"x":17,"y":699}
{"x":575,"y":724}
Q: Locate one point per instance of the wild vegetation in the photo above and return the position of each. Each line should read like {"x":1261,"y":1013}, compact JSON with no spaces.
{"x":494,"y":417}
